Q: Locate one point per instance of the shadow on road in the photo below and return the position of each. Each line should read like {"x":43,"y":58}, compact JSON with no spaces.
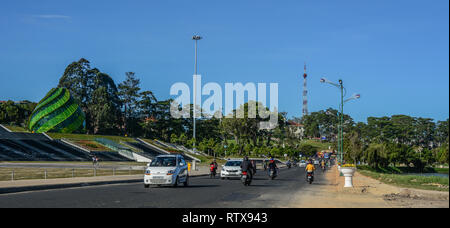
{"x":190,"y":186}
{"x":265,"y":185}
{"x":281,"y":179}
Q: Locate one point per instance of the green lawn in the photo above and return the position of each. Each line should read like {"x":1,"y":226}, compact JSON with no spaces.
{"x":410,"y":181}
{"x":52,"y":173}
{"x":90,"y":137}
{"x":402,"y":169}
{"x":16,"y":128}
{"x":318,"y":144}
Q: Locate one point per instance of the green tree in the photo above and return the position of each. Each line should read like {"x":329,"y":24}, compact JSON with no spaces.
{"x":376,"y":155}
{"x":353,"y":147}
{"x":129,"y":95}
{"x":104,"y":106}
{"x":79,"y":78}
{"x":442,"y":155}
{"x":307,"y":150}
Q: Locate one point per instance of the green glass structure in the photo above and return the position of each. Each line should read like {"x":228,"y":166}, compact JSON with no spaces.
{"x":57,"y":112}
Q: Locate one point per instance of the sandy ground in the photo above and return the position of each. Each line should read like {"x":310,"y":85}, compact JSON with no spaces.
{"x":366,"y":193}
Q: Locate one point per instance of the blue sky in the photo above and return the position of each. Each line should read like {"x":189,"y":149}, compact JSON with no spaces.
{"x":394,"y":53}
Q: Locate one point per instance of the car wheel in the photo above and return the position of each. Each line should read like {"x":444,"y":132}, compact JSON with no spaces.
{"x":146,"y":185}
{"x":186,"y":182}
{"x":223,"y":178}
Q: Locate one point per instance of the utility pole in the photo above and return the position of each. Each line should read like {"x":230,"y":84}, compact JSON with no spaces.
{"x":305,"y":93}
{"x":196,"y":38}
{"x":341,"y":116}
{"x":342,"y":120}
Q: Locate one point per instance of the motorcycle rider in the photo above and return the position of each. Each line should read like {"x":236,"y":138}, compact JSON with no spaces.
{"x":323,"y":165}
{"x":246,"y":166}
{"x":273,"y":165}
{"x":310,"y":168}
{"x":213,"y":166}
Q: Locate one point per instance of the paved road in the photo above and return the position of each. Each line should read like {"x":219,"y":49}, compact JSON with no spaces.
{"x":202,"y":192}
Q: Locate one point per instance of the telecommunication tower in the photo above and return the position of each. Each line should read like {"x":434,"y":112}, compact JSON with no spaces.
{"x":305,"y":93}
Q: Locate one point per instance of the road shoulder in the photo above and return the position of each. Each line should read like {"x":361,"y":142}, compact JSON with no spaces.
{"x":366,"y":193}
{"x":58,"y":183}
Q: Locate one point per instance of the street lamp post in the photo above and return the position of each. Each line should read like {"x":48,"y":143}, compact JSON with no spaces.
{"x":341,"y":115}
{"x":196,"y":38}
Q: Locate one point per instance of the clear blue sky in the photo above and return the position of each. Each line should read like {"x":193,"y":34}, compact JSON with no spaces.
{"x":395,"y":53}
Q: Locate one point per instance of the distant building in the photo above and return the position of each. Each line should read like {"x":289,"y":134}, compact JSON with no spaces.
{"x":296,"y":129}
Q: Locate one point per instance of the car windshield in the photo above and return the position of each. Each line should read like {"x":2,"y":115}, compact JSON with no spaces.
{"x":163,"y":162}
{"x":233,"y":163}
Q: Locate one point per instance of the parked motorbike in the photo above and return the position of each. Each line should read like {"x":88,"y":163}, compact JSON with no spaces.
{"x":289,"y":165}
{"x":245,"y":178}
{"x":310,"y":177}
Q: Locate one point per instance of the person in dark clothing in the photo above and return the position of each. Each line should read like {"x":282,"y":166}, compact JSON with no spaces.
{"x":273,"y":165}
{"x":213,"y":167}
{"x":254,"y":167}
{"x":246,"y":166}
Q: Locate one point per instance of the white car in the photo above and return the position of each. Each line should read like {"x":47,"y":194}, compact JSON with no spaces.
{"x":167,"y":170}
{"x":302,"y":163}
{"x":231,"y":169}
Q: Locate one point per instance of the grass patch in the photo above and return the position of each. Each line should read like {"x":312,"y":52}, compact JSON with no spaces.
{"x":402,"y":169}
{"x":105,"y":163}
{"x":163,"y":147}
{"x":114,"y":138}
{"x":441,"y":170}
{"x":318,"y":144}
{"x":410,"y":181}
{"x":90,"y":145}
{"x":15,"y":128}
{"x":53,"y":173}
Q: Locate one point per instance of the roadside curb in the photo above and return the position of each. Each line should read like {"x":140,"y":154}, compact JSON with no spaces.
{"x":9,"y":190}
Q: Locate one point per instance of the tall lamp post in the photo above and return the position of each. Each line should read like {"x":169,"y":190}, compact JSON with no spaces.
{"x":341,"y":115}
{"x":196,"y":38}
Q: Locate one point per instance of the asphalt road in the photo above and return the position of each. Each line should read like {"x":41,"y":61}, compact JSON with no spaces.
{"x":202,"y":192}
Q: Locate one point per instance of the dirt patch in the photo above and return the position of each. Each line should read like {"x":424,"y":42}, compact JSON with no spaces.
{"x":418,"y":199}
{"x":366,"y":193}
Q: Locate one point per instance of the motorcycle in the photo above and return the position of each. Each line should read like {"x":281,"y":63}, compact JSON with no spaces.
{"x":323,"y":168}
{"x":212,"y":171}
{"x":245,"y":178}
{"x":272,"y":174}
{"x":289,"y":165}
{"x":310,"y":177}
